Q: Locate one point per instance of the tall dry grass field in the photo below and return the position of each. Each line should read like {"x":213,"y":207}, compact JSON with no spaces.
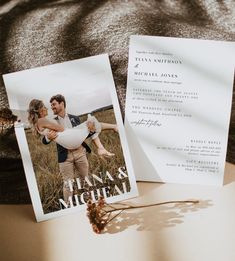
{"x":45,"y":163}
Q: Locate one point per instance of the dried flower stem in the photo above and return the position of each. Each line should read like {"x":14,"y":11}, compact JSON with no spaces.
{"x":99,"y":214}
{"x":154,"y":204}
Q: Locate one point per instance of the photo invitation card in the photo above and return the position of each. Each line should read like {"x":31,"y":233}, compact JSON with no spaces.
{"x":178,"y":103}
{"x":70,"y":135}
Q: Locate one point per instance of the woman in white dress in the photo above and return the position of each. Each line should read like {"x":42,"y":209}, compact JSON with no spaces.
{"x":70,"y":138}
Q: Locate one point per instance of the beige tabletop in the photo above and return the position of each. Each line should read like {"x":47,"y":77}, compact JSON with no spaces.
{"x":174,"y":232}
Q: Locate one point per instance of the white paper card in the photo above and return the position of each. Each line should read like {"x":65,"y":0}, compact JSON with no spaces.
{"x":62,"y":179}
{"x":178,"y":103}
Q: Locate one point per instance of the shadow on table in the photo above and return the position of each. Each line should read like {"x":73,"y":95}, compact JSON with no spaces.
{"x":155,"y":218}
{"x":21,"y":237}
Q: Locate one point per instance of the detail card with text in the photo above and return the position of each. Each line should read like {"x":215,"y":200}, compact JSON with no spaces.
{"x":178,"y":103}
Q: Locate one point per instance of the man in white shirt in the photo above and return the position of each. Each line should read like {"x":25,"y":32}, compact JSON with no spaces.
{"x":69,"y":160}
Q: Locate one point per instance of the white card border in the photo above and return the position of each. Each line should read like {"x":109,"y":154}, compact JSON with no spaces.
{"x":28,"y":166}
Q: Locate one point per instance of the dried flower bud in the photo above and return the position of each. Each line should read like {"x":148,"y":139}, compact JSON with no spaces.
{"x":97,"y":215}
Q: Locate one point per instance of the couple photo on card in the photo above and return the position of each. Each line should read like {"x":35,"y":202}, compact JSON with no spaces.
{"x":70,"y":135}
{"x":72,"y":138}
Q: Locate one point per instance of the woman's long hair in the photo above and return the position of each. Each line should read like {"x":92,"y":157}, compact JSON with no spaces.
{"x":34,"y":113}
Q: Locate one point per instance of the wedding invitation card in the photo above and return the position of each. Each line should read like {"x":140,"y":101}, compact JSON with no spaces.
{"x":70,"y":135}
{"x":178,"y":103}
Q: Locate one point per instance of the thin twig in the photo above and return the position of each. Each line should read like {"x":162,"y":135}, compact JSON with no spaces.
{"x":155,"y":204}
{"x":115,"y":216}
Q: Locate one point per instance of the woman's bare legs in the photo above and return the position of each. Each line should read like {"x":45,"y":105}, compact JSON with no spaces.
{"x":109,"y":126}
{"x":104,"y":126}
{"x":101,"y":149}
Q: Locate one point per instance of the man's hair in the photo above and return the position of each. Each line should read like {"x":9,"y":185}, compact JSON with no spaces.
{"x":59,"y":98}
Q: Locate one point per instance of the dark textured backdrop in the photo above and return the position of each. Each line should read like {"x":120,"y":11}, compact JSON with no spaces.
{"x":39,"y":32}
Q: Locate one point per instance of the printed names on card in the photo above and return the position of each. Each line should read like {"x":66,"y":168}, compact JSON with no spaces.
{"x":178,"y":107}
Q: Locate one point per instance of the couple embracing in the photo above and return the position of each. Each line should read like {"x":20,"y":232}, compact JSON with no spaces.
{"x":69,"y":134}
